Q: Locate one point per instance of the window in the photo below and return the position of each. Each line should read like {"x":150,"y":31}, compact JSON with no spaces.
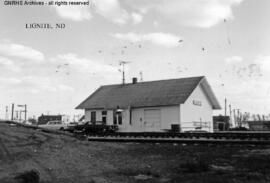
{"x":104,"y":117}
{"x":117,"y":118}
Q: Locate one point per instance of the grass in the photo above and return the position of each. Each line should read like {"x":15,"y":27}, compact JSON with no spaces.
{"x":61,"y":159}
{"x":196,"y":165}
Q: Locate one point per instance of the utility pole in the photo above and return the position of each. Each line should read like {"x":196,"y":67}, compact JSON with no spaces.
{"x":12,"y":111}
{"x":20,"y":116}
{"x":25,"y":112}
{"x":230,"y":110}
{"x":225,"y":108}
{"x":234,"y":117}
{"x":17,"y":114}
{"x":141,"y":76}
{"x":6,"y":112}
{"x":238,"y":117}
{"x":123,"y":63}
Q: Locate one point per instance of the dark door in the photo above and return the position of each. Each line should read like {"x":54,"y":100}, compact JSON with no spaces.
{"x":93,"y":116}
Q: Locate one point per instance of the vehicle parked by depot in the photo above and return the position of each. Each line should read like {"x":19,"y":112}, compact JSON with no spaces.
{"x":54,"y":125}
{"x":97,"y":127}
{"x":71,"y":126}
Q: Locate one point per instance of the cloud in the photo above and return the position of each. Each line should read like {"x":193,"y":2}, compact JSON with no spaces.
{"x":33,"y":84}
{"x":44,"y":84}
{"x":194,"y":13}
{"x":111,"y":10}
{"x":9,"y":81}
{"x":9,"y":49}
{"x":137,"y":18}
{"x":8,"y":64}
{"x":159,"y":38}
{"x":234,"y":60}
{"x":74,"y":12}
{"x":264,"y":62}
{"x":85,"y":65}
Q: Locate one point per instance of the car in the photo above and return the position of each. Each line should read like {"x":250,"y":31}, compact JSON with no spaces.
{"x":71,"y":126}
{"x":54,"y":125}
{"x":95,"y":128}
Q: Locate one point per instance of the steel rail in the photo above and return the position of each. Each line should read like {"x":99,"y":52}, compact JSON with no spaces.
{"x":226,"y":137}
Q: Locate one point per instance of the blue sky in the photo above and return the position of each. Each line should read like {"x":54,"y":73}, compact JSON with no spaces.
{"x":54,"y":70}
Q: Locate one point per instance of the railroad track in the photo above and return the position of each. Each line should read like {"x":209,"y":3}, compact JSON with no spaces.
{"x":160,"y":137}
{"x":169,"y":137}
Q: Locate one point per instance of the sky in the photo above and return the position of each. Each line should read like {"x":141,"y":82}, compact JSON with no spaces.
{"x":53,"y":70}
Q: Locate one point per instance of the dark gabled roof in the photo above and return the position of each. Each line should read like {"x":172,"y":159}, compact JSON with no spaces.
{"x":143,"y":94}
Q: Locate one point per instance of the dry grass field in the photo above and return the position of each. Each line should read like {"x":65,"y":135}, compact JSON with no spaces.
{"x":62,"y":158}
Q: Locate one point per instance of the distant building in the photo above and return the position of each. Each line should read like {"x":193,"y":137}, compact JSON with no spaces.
{"x":185,"y":103}
{"x":221,"y":123}
{"x":259,"y":125}
{"x":43,"y":119}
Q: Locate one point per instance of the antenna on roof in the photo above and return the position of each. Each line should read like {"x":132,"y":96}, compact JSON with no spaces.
{"x":141,"y":76}
{"x":123,"y":63}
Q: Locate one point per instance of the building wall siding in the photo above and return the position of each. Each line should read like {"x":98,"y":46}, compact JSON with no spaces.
{"x":99,"y":115}
{"x":110,"y":117}
{"x":194,"y":115}
{"x":87,"y":115}
{"x":169,"y":115}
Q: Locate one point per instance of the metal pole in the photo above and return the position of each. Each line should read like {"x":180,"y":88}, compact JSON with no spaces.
{"x":122,"y":62}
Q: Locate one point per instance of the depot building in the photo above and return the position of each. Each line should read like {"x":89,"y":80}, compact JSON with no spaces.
{"x":155,"y":106}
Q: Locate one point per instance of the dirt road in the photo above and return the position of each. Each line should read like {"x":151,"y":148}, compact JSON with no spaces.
{"x":63,"y":159}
